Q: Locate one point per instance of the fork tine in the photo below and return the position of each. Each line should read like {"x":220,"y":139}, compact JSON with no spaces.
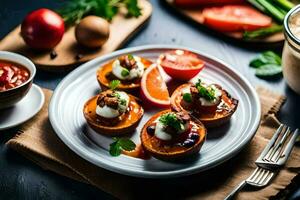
{"x":267,"y":180}
{"x":280,"y":145}
{"x":253,"y":178}
{"x":254,"y":173}
{"x":264,"y":177}
{"x":259,"y":177}
{"x":275,"y":141}
{"x":269,"y":148}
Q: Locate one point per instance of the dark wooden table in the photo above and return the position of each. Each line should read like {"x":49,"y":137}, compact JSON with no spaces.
{"x":21,"y":179}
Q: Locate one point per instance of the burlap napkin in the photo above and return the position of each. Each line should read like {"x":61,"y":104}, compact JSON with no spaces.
{"x":39,"y":143}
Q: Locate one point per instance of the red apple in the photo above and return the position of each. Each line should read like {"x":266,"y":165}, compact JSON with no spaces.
{"x":42,"y":29}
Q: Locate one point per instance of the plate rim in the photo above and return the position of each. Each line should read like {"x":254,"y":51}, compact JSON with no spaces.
{"x":148,"y":174}
{"x":38,"y":108}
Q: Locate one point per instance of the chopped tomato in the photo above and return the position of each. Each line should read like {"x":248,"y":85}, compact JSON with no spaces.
{"x":192,"y":3}
{"x":235,"y":18}
{"x":180,"y":64}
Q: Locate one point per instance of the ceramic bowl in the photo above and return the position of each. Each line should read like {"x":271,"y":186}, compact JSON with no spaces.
{"x":12,"y":96}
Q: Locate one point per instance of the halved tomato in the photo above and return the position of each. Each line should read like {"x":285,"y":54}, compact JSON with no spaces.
{"x":192,"y":3}
{"x":181,"y":64}
{"x":235,"y":18}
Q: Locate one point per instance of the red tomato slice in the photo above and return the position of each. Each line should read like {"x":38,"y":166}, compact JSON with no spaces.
{"x":235,"y":18}
{"x":180,"y":64}
{"x":192,"y":3}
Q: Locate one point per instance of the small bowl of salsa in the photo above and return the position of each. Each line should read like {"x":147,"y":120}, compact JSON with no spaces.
{"x":16,"y":76}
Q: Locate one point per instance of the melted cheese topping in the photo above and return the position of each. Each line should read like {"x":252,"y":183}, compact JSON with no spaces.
{"x":133,"y":73}
{"x":108,"y":112}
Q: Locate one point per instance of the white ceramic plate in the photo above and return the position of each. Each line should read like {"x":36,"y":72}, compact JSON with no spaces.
{"x":67,"y":119}
{"x":24,"y":110}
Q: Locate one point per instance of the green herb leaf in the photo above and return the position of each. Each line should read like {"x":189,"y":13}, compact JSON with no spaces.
{"x":170,"y":119}
{"x":114,"y":84}
{"x":207,"y":93}
{"x":115,"y":149}
{"x":125,"y":72}
{"x":268,"y":70}
{"x":187,"y":97}
{"x":116,"y":95}
{"x":132,"y":8}
{"x":119,"y":144}
{"x":267,"y":57}
{"x":130,"y":56}
{"x":74,"y":10}
{"x":123,"y":102}
{"x":267,"y":64}
{"x":126,"y":144}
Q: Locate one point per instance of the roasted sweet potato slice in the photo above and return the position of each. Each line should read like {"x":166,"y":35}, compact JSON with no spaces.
{"x":105,"y":76}
{"x":171,"y":151}
{"x":126,"y":123}
{"x":223,"y":112}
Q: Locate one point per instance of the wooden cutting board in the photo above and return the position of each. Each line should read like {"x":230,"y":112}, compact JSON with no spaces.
{"x":196,"y":16}
{"x":121,"y":29}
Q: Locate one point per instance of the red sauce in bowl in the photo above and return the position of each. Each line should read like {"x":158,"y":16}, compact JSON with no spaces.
{"x":12,"y":75}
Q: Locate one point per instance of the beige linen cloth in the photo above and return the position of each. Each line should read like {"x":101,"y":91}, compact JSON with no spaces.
{"x":39,"y":143}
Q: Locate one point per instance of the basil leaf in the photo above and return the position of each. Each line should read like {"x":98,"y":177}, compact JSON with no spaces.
{"x":187,"y":97}
{"x":267,"y":57}
{"x":125,"y":72}
{"x":256,"y":63}
{"x":115,"y":149}
{"x":126,"y":144}
{"x":268,"y":70}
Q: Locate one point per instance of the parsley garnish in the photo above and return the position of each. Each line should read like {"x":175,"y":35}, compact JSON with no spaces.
{"x":207,"y":93}
{"x":114,"y":84}
{"x":130,"y":56}
{"x":119,"y":144}
{"x":170,"y":119}
{"x":123,"y":102}
{"x":187,"y":97}
{"x":125,"y":72}
{"x":74,"y":10}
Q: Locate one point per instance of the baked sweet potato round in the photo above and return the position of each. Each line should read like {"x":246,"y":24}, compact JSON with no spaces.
{"x":121,"y":125}
{"x":171,"y":150}
{"x":222,"y":114}
{"x":105,"y":76}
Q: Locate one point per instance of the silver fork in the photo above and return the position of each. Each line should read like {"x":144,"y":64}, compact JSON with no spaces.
{"x":270,"y":156}
{"x":278,"y":149}
{"x":259,"y":178}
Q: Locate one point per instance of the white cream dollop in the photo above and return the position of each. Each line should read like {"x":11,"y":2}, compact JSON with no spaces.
{"x":218,"y":94}
{"x":133,"y":73}
{"x":108,"y":112}
{"x":160,"y":133}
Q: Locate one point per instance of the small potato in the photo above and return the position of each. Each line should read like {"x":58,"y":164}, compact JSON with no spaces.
{"x":92,"y":31}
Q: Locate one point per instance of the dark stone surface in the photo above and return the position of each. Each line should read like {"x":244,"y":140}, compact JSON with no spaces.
{"x":21,"y":179}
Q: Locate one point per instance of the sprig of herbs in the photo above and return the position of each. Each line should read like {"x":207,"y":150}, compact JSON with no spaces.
{"x":74,"y":10}
{"x":114,"y":84}
{"x":119,"y":144}
{"x":170,"y":119}
{"x":207,"y":93}
{"x":267,"y":64}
